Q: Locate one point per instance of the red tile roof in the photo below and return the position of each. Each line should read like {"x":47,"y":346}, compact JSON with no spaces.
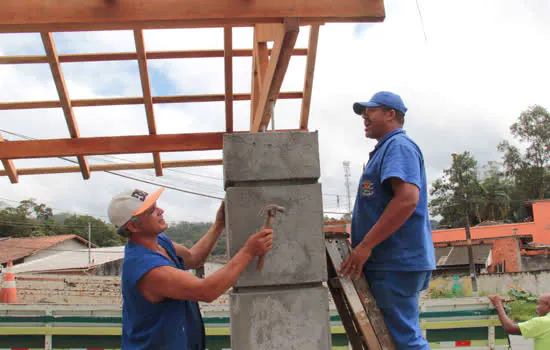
{"x":18,"y":248}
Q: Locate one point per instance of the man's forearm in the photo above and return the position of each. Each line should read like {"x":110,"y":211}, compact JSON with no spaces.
{"x":223,"y":279}
{"x":509,"y":326}
{"x":203,"y":248}
{"x":393,"y":217}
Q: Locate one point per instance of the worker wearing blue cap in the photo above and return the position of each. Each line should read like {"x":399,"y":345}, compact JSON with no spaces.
{"x":390,"y":228}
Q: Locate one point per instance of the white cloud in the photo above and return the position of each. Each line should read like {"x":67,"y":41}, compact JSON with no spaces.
{"x":481,"y":65}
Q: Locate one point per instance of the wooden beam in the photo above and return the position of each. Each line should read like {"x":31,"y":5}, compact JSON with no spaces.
{"x":55,"y":66}
{"x":115,"y":167}
{"x":275,"y":73}
{"x":121,"y":101}
{"x":131,"y":56}
{"x":64,"y":15}
{"x":147,"y":96}
{"x":85,"y":146}
{"x":228,"y":66}
{"x":308,"y":79}
{"x":9,"y":168}
{"x":260,"y":62}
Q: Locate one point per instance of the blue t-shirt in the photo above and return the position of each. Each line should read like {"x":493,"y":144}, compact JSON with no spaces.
{"x":170,"y":324}
{"x":409,"y":248}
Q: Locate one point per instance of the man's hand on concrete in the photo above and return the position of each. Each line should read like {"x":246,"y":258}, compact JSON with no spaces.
{"x":353,"y":266}
{"x":259,"y":243}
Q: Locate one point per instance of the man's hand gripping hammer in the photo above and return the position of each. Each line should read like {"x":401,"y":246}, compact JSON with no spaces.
{"x":270,"y":210}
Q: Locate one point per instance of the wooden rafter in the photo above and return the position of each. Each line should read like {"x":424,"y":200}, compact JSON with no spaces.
{"x":132,"y":56}
{"x":260,"y":61}
{"x":228,"y":67}
{"x":55,"y":66}
{"x":147,"y":96}
{"x":278,"y":64}
{"x":9,"y":168}
{"x":273,"y":21}
{"x":85,"y":146}
{"x":115,"y":167}
{"x":308,"y":80}
{"x":122,"y":101}
{"x":63,"y":15}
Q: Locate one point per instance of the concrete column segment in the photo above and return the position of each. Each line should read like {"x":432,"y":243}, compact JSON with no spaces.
{"x":289,"y":319}
{"x":298,"y":254}
{"x":270,"y":157}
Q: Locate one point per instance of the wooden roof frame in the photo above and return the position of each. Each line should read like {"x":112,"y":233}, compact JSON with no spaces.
{"x":273,"y":21}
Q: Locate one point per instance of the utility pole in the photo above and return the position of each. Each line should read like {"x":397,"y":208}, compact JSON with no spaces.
{"x":89,"y":244}
{"x":347,"y":174}
{"x":466,"y":207}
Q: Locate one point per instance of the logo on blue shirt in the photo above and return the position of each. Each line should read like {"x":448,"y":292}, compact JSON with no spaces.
{"x":367,"y":189}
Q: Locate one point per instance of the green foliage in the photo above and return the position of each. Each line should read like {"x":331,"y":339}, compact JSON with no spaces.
{"x":188,"y":233}
{"x":531,"y":170}
{"x":498,"y":194}
{"x":524,"y":304}
{"x":31,"y":219}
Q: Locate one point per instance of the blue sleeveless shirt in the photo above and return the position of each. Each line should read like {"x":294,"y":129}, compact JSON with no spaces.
{"x":167,"y":325}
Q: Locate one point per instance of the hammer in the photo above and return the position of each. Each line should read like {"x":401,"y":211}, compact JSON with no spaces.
{"x":271,"y":210}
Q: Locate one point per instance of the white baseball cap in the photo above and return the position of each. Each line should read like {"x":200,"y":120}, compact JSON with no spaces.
{"x":130,"y":203}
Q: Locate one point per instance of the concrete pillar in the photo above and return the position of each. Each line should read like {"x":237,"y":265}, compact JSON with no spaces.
{"x":284,"y":306}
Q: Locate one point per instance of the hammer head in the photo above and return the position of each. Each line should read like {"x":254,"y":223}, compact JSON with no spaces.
{"x":271,"y":210}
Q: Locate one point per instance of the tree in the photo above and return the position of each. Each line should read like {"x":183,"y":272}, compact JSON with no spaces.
{"x":496,"y":189}
{"x":447,"y":194}
{"x":530,"y":171}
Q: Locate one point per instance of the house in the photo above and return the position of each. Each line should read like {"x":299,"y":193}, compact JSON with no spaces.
{"x":25,"y":249}
{"x":96,"y":261}
{"x":453,"y":259}
{"x":538,"y":228}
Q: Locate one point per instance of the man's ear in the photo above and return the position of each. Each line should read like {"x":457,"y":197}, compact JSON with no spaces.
{"x":133,"y":226}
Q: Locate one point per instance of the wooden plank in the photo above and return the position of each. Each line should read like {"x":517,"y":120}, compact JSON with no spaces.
{"x":9,"y":168}
{"x":260,"y":61}
{"x":120,"y":101}
{"x":147,"y":96}
{"x":228,"y":67}
{"x":59,"y":80}
{"x":63,"y":15}
{"x":115,"y":167}
{"x":308,"y":79}
{"x":339,"y":244}
{"x":343,"y":308}
{"x":268,"y":32}
{"x":334,"y":250}
{"x":84,"y":146}
{"x":129,"y":56}
{"x":275,"y":74}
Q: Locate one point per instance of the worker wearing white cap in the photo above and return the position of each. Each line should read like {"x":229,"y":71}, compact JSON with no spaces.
{"x":159,"y":298}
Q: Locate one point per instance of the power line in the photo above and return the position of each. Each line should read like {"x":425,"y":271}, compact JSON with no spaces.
{"x":421,"y":21}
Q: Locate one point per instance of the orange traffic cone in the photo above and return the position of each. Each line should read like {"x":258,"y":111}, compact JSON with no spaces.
{"x":9,"y":292}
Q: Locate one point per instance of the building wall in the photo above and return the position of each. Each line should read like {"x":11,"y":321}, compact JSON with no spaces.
{"x":539,"y":228}
{"x":112,"y":268}
{"x":532,"y":282}
{"x":71,"y":244}
{"x":459,"y":234}
{"x":541,"y":213}
{"x":506,"y":249}
{"x":68,"y":289}
{"x":535,"y":263}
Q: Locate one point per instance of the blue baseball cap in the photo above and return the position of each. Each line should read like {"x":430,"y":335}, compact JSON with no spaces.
{"x":382,"y":98}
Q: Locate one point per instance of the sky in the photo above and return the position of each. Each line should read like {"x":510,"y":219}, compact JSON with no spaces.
{"x":465,"y":69}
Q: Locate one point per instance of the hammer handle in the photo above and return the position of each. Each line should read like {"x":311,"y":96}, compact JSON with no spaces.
{"x":261,"y":258}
